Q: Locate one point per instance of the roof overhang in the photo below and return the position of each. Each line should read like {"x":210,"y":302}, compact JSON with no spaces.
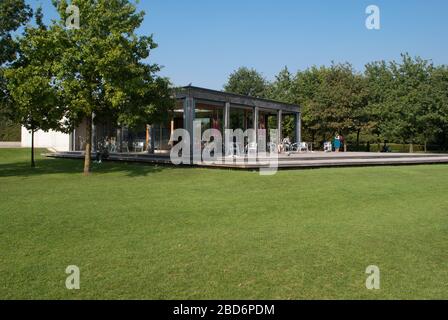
{"x":235,"y":99}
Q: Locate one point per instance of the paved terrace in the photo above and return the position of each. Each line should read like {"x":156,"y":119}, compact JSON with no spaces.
{"x":285,"y":161}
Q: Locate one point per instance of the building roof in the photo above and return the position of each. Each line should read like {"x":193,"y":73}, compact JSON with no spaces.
{"x":232,"y":98}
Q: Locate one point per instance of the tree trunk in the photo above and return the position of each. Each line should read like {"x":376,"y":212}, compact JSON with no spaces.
{"x":426,"y":149}
{"x":411,"y":147}
{"x":88,"y":151}
{"x":33,"y":163}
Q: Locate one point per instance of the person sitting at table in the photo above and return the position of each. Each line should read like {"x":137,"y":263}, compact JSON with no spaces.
{"x":280,"y":148}
{"x":286,"y":144}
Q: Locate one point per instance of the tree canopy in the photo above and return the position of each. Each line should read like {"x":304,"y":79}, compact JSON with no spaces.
{"x":63,"y":76}
{"x":35,"y":99}
{"x":101,"y":67}
{"x":402,"y":101}
{"x":247,"y":82}
{"x":13,"y":15}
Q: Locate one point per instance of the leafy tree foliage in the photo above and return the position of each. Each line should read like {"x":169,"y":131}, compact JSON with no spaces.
{"x":13,"y":15}
{"x":101,"y":68}
{"x":34,"y":95}
{"x":401,"y":102}
{"x":247,"y":82}
{"x":282,"y":90}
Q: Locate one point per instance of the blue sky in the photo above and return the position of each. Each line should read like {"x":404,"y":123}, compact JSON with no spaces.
{"x":203,"y":41}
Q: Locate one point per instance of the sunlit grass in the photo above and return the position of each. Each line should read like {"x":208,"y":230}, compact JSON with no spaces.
{"x":139,"y":231}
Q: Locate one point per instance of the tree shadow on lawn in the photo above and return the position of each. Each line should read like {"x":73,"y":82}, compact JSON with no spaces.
{"x":45,"y":166}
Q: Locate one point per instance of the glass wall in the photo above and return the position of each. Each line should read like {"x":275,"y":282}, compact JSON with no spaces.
{"x":241,"y":118}
{"x":162,"y":136}
{"x":107,"y":135}
{"x":211,"y":116}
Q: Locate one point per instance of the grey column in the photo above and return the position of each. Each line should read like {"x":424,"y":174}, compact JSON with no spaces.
{"x":226,"y":116}
{"x":298,"y":126}
{"x":152,"y":139}
{"x":189,"y":106}
{"x":73,"y":140}
{"x":279,"y":126}
{"x":256,"y":124}
{"x":226,"y":126}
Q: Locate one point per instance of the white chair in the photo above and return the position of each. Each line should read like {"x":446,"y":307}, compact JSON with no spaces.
{"x":272,"y":147}
{"x":251,"y":148}
{"x":300,"y":146}
{"x":303,"y":146}
{"x":139,"y":145}
{"x":124,"y":146}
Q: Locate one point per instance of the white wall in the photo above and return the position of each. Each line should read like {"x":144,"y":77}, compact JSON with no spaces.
{"x":55,"y":140}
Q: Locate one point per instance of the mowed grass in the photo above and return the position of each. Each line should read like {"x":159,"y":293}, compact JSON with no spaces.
{"x":148,"y":232}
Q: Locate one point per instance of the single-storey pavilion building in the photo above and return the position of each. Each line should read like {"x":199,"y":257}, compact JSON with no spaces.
{"x":214,"y":109}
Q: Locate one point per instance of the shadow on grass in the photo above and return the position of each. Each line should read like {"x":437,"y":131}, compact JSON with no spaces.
{"x":45,"y":166}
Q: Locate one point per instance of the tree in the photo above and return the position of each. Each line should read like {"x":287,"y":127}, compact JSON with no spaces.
{"x":333,"y":99}
{"x":30,"y":85}
{"x":305,"y":87}
{"x":282,"y":90}
{"x":439,"y":85}
{"x":13,"y":15}
{"x":379,"y":85}
{"x":403,"y":95}
{"x":101,"y":70}
{"x":247,"y":82}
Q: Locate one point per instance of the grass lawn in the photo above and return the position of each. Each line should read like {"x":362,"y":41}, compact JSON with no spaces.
{"x":139,"y":231}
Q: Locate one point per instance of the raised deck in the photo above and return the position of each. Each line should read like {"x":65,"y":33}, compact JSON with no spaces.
{"x":285,"y":161}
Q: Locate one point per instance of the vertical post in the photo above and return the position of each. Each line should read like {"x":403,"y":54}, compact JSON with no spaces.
{"x":147,"y":138}
{"x":225,"y":127}
{"x":298,"y":126}
{"x":33,"y":164}
{"x":170,"y":141}
{"x":256,"y":112}
{"x":227,"y":116}
{"x":119,"y":140}
{"x":94,"y":137}
{"x":72,"y":140}
{"x":88,"y":146}
{"x":189,"y":109}
{"x":151,"y":138}
{"x":279,"y":126}
{"x":256,"y":124}
{"x":160,"y":136}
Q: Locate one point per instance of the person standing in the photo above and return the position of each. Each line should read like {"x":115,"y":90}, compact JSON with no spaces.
{"x":337,"y":143}
{"x":342,"y":143}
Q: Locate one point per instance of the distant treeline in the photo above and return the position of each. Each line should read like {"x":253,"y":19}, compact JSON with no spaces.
{"x":402,"y":102}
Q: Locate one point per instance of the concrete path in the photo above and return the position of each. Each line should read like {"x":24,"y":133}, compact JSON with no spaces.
{"x":4,"y":144}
